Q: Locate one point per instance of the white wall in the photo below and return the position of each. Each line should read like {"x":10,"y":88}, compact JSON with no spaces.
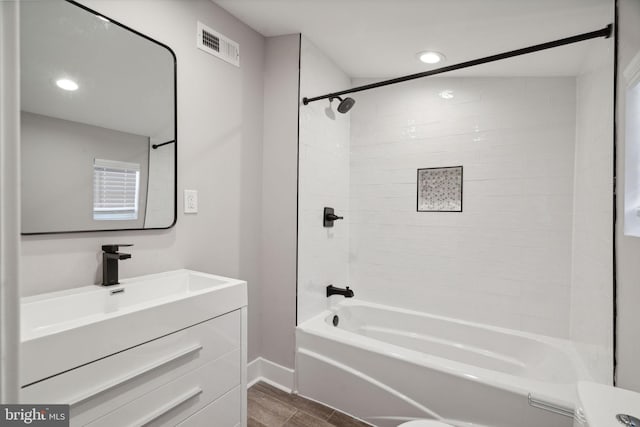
{"x":628,"y":248}
{"x":592,"y":261}
{"x":9,"y":200}
{"x":279,"y":199}
{"x":506,"y":259}
{"x":323,"y":181}
{"x":220,"y":116}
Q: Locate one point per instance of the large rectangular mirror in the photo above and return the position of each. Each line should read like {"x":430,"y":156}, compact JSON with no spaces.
{"x":98,"y":123}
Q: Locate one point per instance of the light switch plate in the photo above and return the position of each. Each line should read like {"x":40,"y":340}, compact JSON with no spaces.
{"x":190,"y":201}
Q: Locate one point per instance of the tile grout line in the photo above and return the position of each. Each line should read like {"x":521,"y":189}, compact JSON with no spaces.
{"x":275,"y":397}
{"x":331,"y":415}
{"x":301,"y":410}
{"x":291,"y":416}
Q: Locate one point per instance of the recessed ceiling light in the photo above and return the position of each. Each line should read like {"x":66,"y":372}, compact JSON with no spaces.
{"x":446,"y":94}
{"x":430,"y":57}
{"x":67,"y":84}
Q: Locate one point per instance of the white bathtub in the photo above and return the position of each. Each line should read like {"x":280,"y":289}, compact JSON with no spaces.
{"x":387,"y":365}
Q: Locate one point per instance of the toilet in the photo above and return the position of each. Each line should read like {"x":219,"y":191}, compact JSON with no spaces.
{"x":605,"y":406}
{"x":424,"y":423}
{"x":599,"y":405}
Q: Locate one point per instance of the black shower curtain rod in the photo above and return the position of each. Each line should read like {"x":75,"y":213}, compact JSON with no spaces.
{"x":605,"y":32}
{"x":156,"y":146}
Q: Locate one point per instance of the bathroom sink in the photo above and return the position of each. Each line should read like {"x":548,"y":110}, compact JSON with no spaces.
{"x":66,"y":329}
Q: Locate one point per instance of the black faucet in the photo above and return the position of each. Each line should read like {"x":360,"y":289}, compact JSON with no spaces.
{"x":332,"y":290}
{"x":110,"y":258}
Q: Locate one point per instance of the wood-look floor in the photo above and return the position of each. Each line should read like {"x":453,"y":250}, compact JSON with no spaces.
{"x":271,"y":407}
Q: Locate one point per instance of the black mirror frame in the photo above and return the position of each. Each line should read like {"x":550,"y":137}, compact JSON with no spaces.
{"x":175,"y":131}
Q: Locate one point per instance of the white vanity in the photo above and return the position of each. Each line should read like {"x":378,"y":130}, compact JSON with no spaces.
{"x":164,"y":349}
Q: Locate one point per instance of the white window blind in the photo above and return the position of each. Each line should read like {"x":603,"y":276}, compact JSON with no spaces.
{"x":115,"y":190}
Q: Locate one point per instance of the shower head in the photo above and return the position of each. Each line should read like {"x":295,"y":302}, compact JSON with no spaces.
{"x":345,"y":104}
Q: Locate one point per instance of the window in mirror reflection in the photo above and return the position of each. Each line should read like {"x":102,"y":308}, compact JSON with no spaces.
{"x":115,"y":190}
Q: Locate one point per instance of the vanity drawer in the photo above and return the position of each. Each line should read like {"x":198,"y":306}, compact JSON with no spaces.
{"x":100,"y":387}
{"x":176,"y":401}
{"x":224,"y":412}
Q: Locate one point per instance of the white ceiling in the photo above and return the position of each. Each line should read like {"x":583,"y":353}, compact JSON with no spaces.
{"x":379,"y":38}
{"x":126,"y":81}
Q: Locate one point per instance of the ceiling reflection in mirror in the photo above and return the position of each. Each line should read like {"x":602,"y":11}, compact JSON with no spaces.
{"x":98,"y":123}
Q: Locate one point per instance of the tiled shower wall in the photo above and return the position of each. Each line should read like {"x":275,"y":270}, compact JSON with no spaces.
{"x":592,"y":266}
{"x":504,"y":260}
{"x":323,"y":181}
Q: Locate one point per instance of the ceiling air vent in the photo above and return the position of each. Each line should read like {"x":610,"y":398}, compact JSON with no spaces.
{"x":218,"y":45}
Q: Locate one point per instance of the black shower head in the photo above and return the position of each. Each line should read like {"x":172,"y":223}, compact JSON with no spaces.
{"x":345,"y":104}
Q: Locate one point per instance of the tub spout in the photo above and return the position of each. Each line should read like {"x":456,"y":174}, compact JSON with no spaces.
{"x":332,"y":290}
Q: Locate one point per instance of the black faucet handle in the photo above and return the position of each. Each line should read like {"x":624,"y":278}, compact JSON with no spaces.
{"x":329,"y":217}
{"x":112,"y":249}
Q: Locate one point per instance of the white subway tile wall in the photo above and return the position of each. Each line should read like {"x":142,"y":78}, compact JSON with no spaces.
{"x":505,"y":260}
{"x":323,"y":181}
{"x":592,"y":272}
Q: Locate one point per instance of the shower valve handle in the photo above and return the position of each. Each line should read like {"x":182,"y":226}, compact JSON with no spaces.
{"x":329,"y":216}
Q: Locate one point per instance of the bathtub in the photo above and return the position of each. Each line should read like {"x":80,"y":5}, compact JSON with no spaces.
{"x":387,"y":365}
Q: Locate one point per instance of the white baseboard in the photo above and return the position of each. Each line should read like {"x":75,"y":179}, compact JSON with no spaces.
{"x":253,"y":371}
{"x":260,"y":369}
